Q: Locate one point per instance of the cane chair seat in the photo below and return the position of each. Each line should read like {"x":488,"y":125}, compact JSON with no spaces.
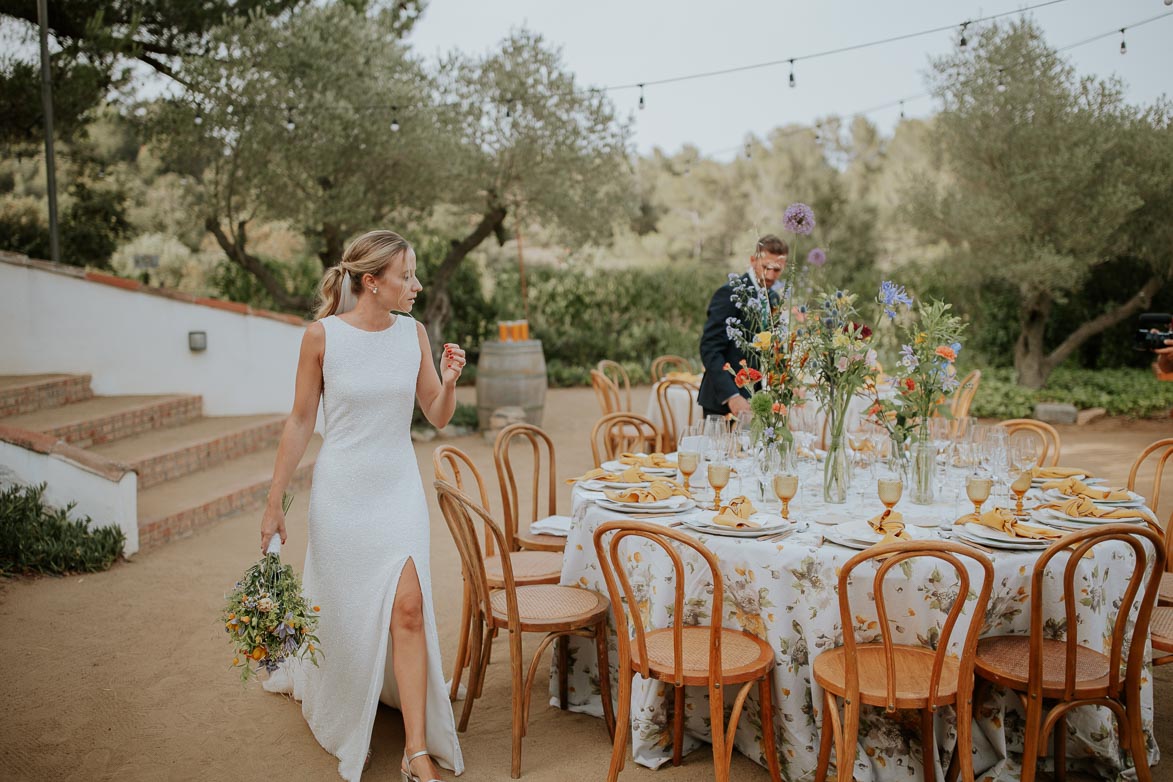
{"x":538,"y":541}
{"x":541,"y":606}
{"x":744,"y":657}
{"x":1162,"y":629}
{"x":1165,"y":595}
{"x":529,"y":567}
{"x":914,"y":670}
{"x":1004,"y":659}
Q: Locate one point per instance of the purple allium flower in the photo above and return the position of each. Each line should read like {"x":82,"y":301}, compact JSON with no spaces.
{"x":816,"y":257}
{"x":799,"y":219}
{"x":892,"y":294}
{"x":768,"y":433}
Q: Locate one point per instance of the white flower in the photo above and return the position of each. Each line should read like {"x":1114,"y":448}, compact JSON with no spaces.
{"x":265,"y":605}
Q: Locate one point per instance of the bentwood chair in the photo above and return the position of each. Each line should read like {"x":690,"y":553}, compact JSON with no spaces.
{"x":1043,"y":433}
{"x":1158,"y":454}
{"x":454,"y":466}
{"x":541,"y":453}
{"x":1161,"y":628}
{"x":619,"y":433}
{"x":963,"y":396}
{"x":671,"y":426}
{"x":1067,"y":673}
{"x":708,"y":656}
{"x":662,"y":365}
{"x":606,"y":393}
{"x":615,"y":372}
{"x":557,"y":612}
{"x":901,"y":676}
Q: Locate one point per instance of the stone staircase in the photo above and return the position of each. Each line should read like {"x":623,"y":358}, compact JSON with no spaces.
{"x":192,"y":469}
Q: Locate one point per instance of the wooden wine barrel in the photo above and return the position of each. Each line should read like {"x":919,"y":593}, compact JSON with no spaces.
{"x":511,"y":374}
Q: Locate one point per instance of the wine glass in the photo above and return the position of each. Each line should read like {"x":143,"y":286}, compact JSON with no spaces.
{"x":688,"y":455}
{"x":719,"y":468}
{"x":977,"y":488}
{"x":785,"y":478}
{"x":890,"y":487}
{"x":743,"y":426}
{"x":1020,"y":457}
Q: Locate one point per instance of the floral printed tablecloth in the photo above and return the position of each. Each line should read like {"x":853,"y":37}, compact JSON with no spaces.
{"x":785,"y":593}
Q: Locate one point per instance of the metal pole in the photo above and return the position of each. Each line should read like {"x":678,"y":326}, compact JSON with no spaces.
{"x":47,"y":107}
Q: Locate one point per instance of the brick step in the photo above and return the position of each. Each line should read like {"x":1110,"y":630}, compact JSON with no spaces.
{"x":29,"y":393}
{"x":165,"y":454}
{"x":177,"y":508}
{"x":103,"y":419}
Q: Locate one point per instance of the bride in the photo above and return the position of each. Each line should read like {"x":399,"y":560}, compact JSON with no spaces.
{"x":367,"y":558}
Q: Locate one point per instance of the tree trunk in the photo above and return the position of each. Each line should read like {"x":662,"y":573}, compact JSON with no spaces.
{"x":1031,"y":366}
{"x":439,"y":308}
{"x":234,"y":249}
{"x":332,"y":240}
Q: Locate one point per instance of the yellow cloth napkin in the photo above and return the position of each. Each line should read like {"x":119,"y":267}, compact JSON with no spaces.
{"x":1076,"y":488}
{"x":1057,"y":473}
{"x":656,"y":491}
{"x":891,"y":525}
{"x":1004,"y":520}
{"x":736,"y":514}
{"x":651,"y":460}
{"x":688,"y":377}
{"x":1083,"y":507}
{"x":630,"y":475}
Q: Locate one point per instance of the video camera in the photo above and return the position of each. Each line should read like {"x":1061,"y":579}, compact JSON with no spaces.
{"x":1154,"y":329}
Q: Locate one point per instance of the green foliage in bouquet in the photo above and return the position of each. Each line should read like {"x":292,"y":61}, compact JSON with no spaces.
{"x":38,"y":538}
{"x":268,"y":619}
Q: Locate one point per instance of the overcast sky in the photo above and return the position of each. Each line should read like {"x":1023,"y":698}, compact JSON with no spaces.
{"x":615,"y":42}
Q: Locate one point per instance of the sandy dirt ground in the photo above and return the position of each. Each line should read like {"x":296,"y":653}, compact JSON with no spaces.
{"x":124,"y":675}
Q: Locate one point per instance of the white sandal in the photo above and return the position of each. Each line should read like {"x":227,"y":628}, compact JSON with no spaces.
{"x":405,"y":769}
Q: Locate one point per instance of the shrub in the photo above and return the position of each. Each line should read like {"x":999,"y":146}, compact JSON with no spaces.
{"x":463,"y":415}
{"x":38,"y":538}
{"x":1128,"y":392}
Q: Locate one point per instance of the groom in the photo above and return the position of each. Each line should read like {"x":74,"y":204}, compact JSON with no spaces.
{"x":718,"y":394}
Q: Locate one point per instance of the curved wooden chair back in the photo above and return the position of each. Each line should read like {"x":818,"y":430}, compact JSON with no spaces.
{"x":542,"y":451}
{"x":955,"y":556}
{"x":460,"y":512}
{"x":625,"y":604}
{"x":454,"y":466}
{"x":662,"y":365}
{"x":670,"y":427}
{"x":615,"y":372}
{"x":1078,"y":544}
{"x":963,"y":396}
{"x":1045,"y":434}
{"x":606,"y":392}
{"x":1161,"y":452}
{"x":620,"y":433}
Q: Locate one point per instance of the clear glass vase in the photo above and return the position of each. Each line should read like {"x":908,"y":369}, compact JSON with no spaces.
{"x":836,"y":478}
{"x":922,"y":468}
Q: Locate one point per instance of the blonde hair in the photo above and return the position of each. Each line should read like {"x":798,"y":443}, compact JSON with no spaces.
{"x":370,"y":253}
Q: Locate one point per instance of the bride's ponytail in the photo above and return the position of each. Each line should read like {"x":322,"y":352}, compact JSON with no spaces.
{"x":333,"y":293}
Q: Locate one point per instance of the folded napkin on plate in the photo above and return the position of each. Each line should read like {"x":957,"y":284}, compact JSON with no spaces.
{"x":891,"y":525}
{"x":1076,"y":488}
{"x":688,"y":377}
{"x":1083,"y":507}
{"x":656,"y":491}
{"x":736,"y":514}
{"x":1057,"y":473}
{"x":630,"y":475}
{"x":1004,"y":520}
{"x":651,"y":460}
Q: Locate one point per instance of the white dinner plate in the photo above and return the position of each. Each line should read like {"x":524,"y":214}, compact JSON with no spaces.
{"x":1134,"y":500}
{"x":770,"y":524}
{"x":832,"y":534}
{"x":676,"y":503}
{"x":617,"y":466}
{"x":1017,"y":545}
{"x":862,"y":532}
{"x":983,"y":534}
{"x":598,"y":485}
{"x":1052,"y":515}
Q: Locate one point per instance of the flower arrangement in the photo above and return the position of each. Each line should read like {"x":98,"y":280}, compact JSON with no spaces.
{"x":268,"y":619}
{"x":770,"y":338}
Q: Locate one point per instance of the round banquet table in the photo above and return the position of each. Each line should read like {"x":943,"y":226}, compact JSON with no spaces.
{"x":785,"y":593}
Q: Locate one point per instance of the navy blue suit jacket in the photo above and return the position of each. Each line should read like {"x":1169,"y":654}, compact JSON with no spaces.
{"x":717,"y":349}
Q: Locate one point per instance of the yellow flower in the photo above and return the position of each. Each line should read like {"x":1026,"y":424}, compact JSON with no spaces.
{"x":762,"y":340}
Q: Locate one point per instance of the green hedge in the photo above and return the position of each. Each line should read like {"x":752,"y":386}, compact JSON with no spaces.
{"x":1128,"y":392}
{"x":38,"y":538}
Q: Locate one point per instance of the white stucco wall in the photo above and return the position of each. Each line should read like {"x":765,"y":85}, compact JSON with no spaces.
{"x":103,"y":500}
{"x":136,"y":343}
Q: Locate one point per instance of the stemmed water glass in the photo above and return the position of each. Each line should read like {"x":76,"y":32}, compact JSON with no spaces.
{"x":1020,"y":457}
{"x":785,"y":477}
{"x":890,"y":486}
{"x":719,"y":467}
{"x":688,"y":452}
{"x":977,"y":488}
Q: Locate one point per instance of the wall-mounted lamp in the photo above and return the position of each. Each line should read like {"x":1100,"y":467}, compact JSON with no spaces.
{"x":197,"y":341}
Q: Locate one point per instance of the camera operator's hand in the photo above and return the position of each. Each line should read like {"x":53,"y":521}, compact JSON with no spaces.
{"x":1165,"y":357}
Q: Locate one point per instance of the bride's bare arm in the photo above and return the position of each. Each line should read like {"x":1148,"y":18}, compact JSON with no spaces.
{"x":437,"y":395}
{"x":299,"y":428}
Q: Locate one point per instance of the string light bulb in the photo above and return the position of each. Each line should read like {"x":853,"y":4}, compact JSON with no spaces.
{"x":901,"y":109}
{"x":1123,"y":45}
{"x":964,"y":42}
{"x":641,"y":98}
{"x":290,"y":125}
{"x":394,"y":119}
{"x":1001,"y":81}
{"x":199,"y":118}
{"x":748,"y":151}
{"x":792,"y":81}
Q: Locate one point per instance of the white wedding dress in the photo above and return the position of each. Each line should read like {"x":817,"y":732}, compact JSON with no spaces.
{"x":367,"y":517}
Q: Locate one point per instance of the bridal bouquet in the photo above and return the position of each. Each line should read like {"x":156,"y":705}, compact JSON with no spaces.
{"x":267,"y":618}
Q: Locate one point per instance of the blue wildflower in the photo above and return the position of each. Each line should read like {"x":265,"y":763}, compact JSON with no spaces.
{"x":908,"y":357}
{"x":892,"y":294}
